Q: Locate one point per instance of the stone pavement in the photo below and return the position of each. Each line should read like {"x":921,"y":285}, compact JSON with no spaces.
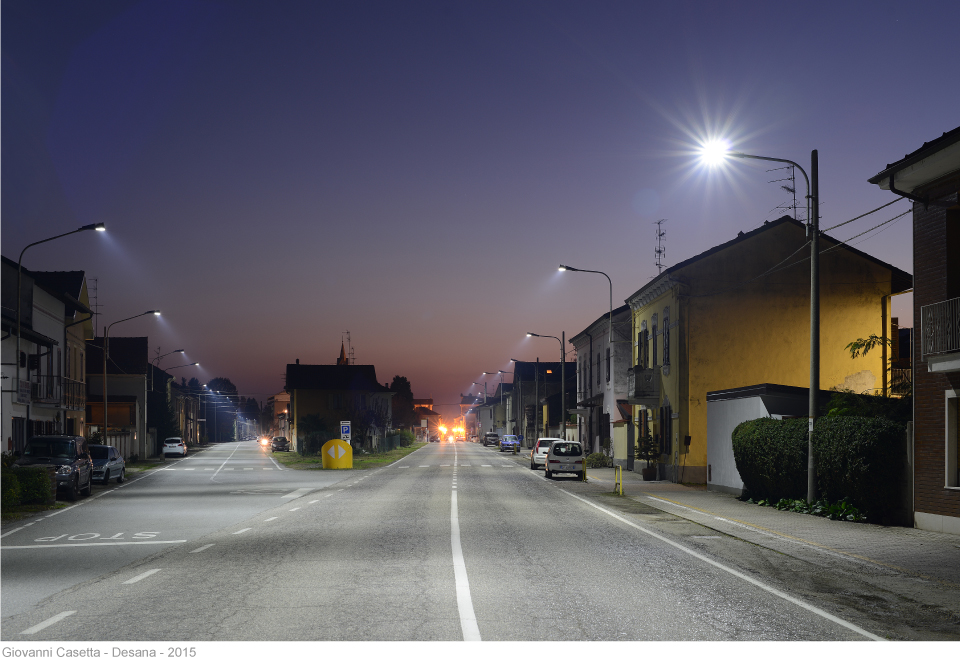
{"x":898,"y":551}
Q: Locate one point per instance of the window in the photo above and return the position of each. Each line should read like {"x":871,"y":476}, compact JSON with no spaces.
{"x":653,"y":339}
{"x":952,"y":467}
{"x":644,"y":346}
{"x":598,"y":369}
{"x":666,"y":335}
{"x":608,"y":365}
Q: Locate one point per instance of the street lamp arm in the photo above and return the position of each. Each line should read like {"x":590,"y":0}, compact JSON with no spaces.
{"x":737,"y":154}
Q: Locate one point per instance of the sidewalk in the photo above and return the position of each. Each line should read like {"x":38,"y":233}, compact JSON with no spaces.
{"x":901,"y":551}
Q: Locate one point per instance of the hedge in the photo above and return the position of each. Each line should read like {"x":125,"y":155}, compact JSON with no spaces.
{"x":771,"y":456}
{"x":28,"y":485}
{"x":859,"y":459}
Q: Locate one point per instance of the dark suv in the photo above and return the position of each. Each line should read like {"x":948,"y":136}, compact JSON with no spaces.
{"x":69,"y":455}
{"x":491,"y":438}
{"x":279,"y":443}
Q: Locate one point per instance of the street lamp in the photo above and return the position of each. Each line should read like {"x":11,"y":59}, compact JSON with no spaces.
{"x":96,"y":227}
{"x":714,"y":153}
{"x":181,"y":366}
{"x":610,"y":322}
{"x":106,"y":339}
{"x":160,"y":357}
{"x":563,"y":383}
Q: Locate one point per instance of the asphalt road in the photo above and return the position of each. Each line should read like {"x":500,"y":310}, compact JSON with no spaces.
{"x":453,"y":542}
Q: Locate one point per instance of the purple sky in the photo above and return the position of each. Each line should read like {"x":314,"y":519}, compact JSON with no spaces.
{"x":275,"y":173}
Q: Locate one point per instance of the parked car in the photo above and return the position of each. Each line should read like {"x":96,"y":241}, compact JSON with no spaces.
{"x":434,"y":437}
{"x":69,"y":455}
{"x":564,"y":457}
{"x":538,"y":456}
{"x":279,"y":443}
{"x":509,"y":442}
{"x":473,"y":437}
{"x":174,"y":446}
{"x":491,"y":438}
{"x":107,"y":464}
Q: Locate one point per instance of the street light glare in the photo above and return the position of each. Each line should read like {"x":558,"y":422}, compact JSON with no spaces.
{"x":155,"y":312}
{"x":714,"y":152}
{"x":100,"y":227}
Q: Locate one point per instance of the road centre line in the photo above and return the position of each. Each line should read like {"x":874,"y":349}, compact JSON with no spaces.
{"x":296,"y":508}
{"x":241,"y":531}
{"x":214,"y":475}
{"x":313,"y":501}
{"x":49,"y":622}
{"x":201,"y":548}
{"x":142,"y":575}
{"x":270,"y":518}
{"x":771,"y":590}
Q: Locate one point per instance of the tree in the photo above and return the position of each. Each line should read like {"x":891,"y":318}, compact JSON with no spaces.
{"x":402,"y":404}
{"x":863,"y":346}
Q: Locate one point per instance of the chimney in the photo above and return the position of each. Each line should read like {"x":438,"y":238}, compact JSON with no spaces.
{"x":298,"y":360}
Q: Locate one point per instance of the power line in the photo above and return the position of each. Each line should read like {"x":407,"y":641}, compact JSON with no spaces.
{"x":863,"y":215}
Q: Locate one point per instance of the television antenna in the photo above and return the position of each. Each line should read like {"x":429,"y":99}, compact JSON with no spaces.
{"x":660,"y":251}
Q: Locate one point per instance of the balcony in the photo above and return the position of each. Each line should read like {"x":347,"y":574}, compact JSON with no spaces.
{"x":940,"y":336}
{"x":74,"y":394}
{"x":47,"y":390}
{"x":645,"y":387}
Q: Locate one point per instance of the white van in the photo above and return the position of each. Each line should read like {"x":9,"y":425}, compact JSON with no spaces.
{"x":564,"y":457}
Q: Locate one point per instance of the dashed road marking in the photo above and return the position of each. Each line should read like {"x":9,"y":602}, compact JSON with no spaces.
{"x":241,"y":531}
{"x":49,"y":622}
{"x":201,"y":548}
{"x":142,"y":575}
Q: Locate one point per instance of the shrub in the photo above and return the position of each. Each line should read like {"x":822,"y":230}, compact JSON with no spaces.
{"x":407,"y":438}
{"x":860,"y":459}
{"x":11,"y":489}
{"x":37,"y":485}
{"x":771,"y":456}
{"x":598,"y":460}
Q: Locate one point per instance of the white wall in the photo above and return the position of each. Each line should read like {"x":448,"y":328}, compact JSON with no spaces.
{"x":722,"y":418}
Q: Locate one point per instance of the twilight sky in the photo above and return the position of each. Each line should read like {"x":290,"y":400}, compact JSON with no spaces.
{"x":275,"y":173}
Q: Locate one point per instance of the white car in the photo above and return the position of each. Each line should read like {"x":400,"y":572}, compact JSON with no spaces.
{"x":564,"y":457}
{"x":538,"y":457}
{"x":174,"y":446}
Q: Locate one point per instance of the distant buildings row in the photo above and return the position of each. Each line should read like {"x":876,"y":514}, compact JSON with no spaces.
{"x":58,"y":386}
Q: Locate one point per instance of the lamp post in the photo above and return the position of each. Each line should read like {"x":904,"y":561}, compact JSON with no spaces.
{"x":610,"y":282}
{"x":93,"y":227}
{"x":505,"y":418}
{"x":563,"y":382}
{"x":106,"y":339}
{"x":714,"y":153}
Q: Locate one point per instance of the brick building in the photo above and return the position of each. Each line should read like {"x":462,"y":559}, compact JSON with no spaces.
{"x":930,"y":176}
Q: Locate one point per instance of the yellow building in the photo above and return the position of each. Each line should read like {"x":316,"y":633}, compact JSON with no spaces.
{"x":739,"y":315}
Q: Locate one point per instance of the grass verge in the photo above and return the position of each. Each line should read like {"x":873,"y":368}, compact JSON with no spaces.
{"x":295,"y":461}
{"x":15,"y":513}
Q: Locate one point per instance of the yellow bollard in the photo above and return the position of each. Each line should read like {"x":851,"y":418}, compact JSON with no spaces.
{"x":618,"y":486}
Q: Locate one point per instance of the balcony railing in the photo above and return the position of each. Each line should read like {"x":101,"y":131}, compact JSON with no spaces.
{"x":45,"y":391}
{"x":74,"y":394}
{"x":940,"y":328}
{"x":646,"y":386}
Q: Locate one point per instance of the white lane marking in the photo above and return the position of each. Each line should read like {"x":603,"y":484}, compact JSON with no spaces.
{"x":142,"y":575}
{"x":275,"y":462}
{"x":328,"y":495}
{"x":468,"y":619}
{"x":201,"y":548}
{"x":12,"y":531}
{"x":208,"y":469}
{"x":486,"y":466}
{"x":313,"y":501}
{"x":776,"y":592}
{"x":403,"y":466}
{"x":247,"y":468}
{"x":214,"y":475}
{"x":296,"y":508}
{"x":241,"y":531}
{"x":704,"y":537}
{"x":300,"y":492}
{"x":464,"y":465}
{"x":270,"y":518}
{"x":49,"y":622}
{"x":86,"y":545}
{"x":424,"y":466}
{"x":267,"y":468}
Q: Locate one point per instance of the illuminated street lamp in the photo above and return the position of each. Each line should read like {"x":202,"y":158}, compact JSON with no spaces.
{"x":563,"y":383}
{"x":160,"y":357}
{"x":106,"y":339}
{"x":95,"y":227}
{"x":715,"y":153}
